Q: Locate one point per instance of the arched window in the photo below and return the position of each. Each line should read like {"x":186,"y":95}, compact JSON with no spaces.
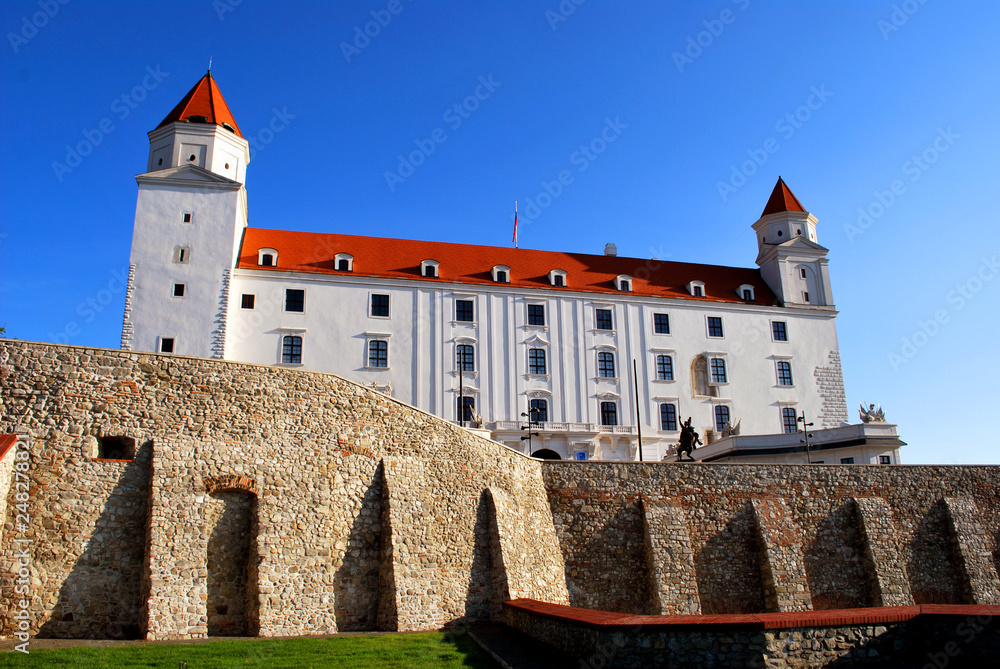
{"x":784,"y":373}
{"x":429,"y":269}
{"x":789,"y":421}
{"x":267,"y":257}
{"x":466,"y":408}
{"x":606,"y":365}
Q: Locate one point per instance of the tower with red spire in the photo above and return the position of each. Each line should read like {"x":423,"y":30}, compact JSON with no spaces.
{"x":791,"y":261}
{"x":190,"y":215}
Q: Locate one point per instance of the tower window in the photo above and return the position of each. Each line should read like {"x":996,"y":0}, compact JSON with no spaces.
{"x":247,"y":301}
{"x":295,"y":300}
{"x":291,"y":349}
{"x":166,"y":344}
{"x":186,"y":217}
{"x":885,"y":460}
{"x":805,"y":296}
{"x":789,"y":421}
{"x":182,"y":254}
{"x":178,"y":290}
{"x":802,"y":272}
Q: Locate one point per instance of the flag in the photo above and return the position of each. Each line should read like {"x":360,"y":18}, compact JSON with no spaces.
{"x":515,"y":224}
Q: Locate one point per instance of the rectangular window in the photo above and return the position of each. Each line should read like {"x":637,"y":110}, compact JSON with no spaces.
{"x":246,"y":302}
{"x":557,"y":280}
{"x":698,"y":292}
{"x":378,"y":353}
{"x":747,"y":294}
{"x":847,"y":461}
{"x":536,"y":361}
{"x":538,"y":411}
{"x":380,"y":305}
{"x":714,"y":326}
{"x":501,"y":276}
{"x":789,"y":421}
{"x":668,"y":417}
{"x":606,"y":365}
{"x":805,"y":297}
{"x":625,"y":286}
{"x":430,"y":271}
{"x":784,"y":373}
{"x":603,"y":318}
{"x":779,"y":331}
{"x":295,"y":300}
{"x":166,"y":344}
{"x":719,"y":370}
{"x":466,"y":358}
{"x":664,"y":368}
{"x":466,"y":408}
{"x":661,"y":323}
{"x":178,"y":290}
{"x":463,"y":311}
{"x":609,"y":413}
{"x":291,"y":349}
{"x":186,"y":217}
{"x":536,"y":314}
{"x":884,"y":460}
{"x":721,"y":418}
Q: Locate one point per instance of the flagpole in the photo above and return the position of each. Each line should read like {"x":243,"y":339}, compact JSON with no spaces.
{"x":515,"y":224}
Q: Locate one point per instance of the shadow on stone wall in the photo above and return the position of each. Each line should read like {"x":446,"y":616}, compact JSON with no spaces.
{"x":934,"y":575}
{"x":608,"y":570}
{"x":101,"y":597}
{"x":356,"y":581}
{"x":387,"y":617}
{"x":229,"y":515}
{"x":480,"y":606}
{"x":834,"y":562}
{"x":728,"y":568}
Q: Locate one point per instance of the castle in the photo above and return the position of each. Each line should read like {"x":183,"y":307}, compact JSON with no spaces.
{"x":595,"y":350}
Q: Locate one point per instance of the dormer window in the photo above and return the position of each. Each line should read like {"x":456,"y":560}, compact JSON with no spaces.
{"x":501,"y":274}
{"x":429,"y":269}
{"x":623,"y":282}
{"x":557,"y":277}
{"x":344,"y":262}
{"x":745,"y":292}
{"x":229,"y":128}
{"x":267,"y":258}
{"x":697,"y":288}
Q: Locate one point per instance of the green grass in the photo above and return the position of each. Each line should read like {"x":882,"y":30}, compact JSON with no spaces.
{"x":405,"y":651}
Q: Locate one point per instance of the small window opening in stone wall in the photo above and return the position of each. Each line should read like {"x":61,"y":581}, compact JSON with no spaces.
{"x":115,"y":448}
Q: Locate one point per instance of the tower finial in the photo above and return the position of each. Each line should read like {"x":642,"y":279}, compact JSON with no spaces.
{"x":210,"y":64}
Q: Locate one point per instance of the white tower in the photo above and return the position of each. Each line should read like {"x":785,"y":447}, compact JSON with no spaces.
{"x":189,"y":218}
{"x":791,"y":261}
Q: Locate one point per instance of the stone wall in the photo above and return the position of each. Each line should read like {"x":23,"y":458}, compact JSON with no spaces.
{"x":775,"y":538}
{"x":365,"y":512}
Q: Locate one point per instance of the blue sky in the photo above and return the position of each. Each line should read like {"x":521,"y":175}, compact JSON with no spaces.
{"x":887,"y":108}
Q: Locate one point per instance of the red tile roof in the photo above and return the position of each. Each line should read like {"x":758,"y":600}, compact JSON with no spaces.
{"x":782,"y":199}
{"x":7,"y":442}
{"x":468,"y":264}
{"x":205,"y":100}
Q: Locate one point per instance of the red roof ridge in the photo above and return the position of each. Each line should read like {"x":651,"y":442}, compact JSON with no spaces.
{"x":782,"y":199}
{"x":204,"y":99}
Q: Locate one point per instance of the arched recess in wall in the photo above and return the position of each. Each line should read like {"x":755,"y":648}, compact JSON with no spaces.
{"x":232,"y":525}
{"x":546,"y":454}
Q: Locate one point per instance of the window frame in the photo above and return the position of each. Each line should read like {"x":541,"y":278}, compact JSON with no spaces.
{"x":458,"y":311}
{"x":179,"y":290}
{"x":783,"y":370}
{"x":715,"y":364}
{"x":718,"y":411}
{"x":786,"y":414}
{"x":163,"y":342}
{"x":543,"y":412}
{"x":535,"y":312}
{"x":372,"y":305}
{"x":784,"y":331}
{"x":341,"y":258}
{"x":608,"y":409}
{"x":287,"y":301}
{"x":243,"y":301}
{"x":665,"y":323}
{"x":667,"y":371}
{"x":597,"y":319}
{"x":264,"y":252}
{"x":606,"y":359}
{"x":709,"y":329}
{"x":465,"y":357}
{"x":286,"y":353}
{"x":533,"y":367}
{"x":377,"y":353}
{"x":666,"y":416}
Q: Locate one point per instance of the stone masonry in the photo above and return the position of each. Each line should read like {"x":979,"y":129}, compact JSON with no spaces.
{"x":175,"y":497}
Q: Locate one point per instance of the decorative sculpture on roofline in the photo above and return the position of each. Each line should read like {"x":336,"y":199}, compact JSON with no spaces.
{"x":873,"y":414}
{"x":688,"y":442}
{"x":731,"y":430}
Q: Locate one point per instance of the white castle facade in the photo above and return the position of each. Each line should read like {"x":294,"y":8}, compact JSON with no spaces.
{"x":594,"y":349}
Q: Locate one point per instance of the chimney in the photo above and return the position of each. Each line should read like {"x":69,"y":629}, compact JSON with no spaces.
{"x":610,"y":249}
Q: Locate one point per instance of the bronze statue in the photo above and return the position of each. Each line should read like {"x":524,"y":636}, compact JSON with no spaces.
{"x":688,"y":441}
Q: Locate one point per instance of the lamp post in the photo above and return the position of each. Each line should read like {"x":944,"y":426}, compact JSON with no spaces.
{"x":806,"y":435}
{"x":531,"y":416}
{"x":461,"y":388}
